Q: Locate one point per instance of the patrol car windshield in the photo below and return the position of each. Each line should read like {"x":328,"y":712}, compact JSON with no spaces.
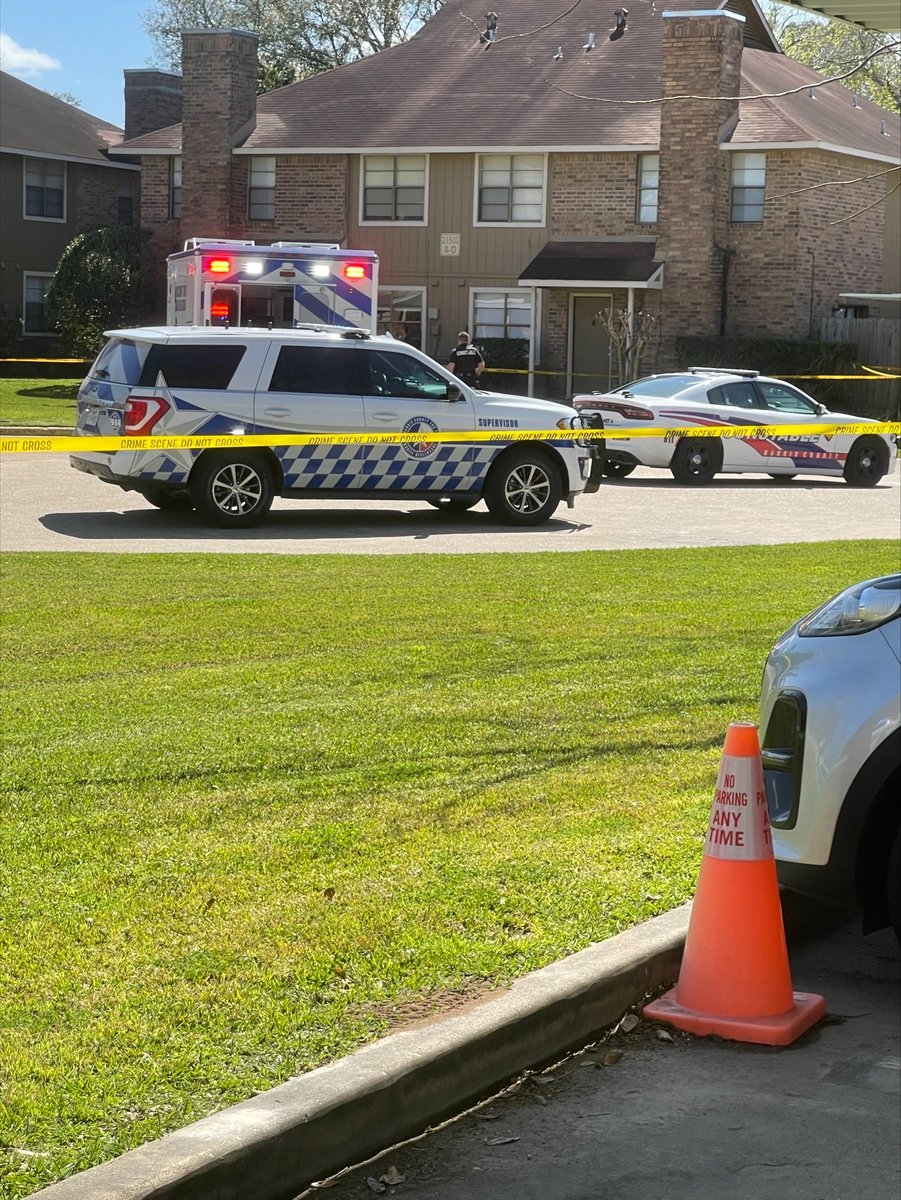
{"x":120,"y":361}
{"x":659,"y":385}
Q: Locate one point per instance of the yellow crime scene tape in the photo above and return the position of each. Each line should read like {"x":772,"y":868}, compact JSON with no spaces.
{"x":105,"y":445}
{"x":871,"y":374}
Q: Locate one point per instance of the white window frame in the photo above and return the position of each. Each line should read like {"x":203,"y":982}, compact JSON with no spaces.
{"x":539,"y":224}
{"x":65,"y":173}
{"x":26,"y":275}
{"x":525,"y":292}
{"x":393,"y":224}
{"x":175,"y":159}
{"x":417,"y":289}
{"x":742,"y":161}
{"x":257,"y":160}
{"x":641,"y":189}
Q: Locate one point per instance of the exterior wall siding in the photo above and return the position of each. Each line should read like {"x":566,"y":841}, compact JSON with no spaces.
{"x":31,"y":246}
{"x":787,"y":273}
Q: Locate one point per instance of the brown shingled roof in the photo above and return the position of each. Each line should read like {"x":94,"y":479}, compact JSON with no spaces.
{"x":37,"y":123}
{"x":829,"y":116}
{"x":445,"y":90}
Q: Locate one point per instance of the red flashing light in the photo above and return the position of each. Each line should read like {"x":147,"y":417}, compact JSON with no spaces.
{"x":220,"y":309}
{"x":354,"y":271}
{"x":219,"y":266}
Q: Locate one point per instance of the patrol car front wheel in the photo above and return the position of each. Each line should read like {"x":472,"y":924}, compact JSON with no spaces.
{"x":523,"y":488}
{"x":233,"y":490}
{"x":866,"y":463}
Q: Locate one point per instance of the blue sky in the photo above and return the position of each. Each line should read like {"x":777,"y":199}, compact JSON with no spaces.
{"x":77,"y":46}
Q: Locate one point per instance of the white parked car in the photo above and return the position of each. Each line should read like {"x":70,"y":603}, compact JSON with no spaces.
{"x":207,"y":381}
{"x":830,"y":712}
{"x":710,"y":397}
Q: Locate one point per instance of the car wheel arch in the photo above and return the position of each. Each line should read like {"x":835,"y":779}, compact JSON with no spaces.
{"x":549,"y":452}
{"x":263,"y":452}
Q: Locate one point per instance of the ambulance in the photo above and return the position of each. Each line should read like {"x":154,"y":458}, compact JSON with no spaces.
{"x":281,"y":286}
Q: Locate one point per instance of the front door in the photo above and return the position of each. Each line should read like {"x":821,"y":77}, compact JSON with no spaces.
{"x":592,"y":367}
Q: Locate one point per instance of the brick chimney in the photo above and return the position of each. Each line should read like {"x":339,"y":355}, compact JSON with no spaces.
{"x":701,"y":58}
{"x":219,"y":68}
{"x":152,"y":101}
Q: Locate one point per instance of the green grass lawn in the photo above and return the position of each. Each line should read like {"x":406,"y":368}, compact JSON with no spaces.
{"x":38,"y":401}
{"x":253,"y":806}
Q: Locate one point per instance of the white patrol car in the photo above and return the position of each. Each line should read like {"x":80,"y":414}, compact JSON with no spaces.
{"x":190,"y":381}
{"x":717,"y":397}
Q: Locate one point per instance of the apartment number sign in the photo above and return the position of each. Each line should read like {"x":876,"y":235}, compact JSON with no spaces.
{"x":450,"y":245}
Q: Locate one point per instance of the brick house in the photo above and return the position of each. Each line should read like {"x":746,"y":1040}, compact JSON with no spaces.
{"x":516,"y":181}
{"x":56,"y":181}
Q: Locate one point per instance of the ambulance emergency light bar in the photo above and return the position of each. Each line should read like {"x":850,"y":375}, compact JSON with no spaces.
{"x":255,"y":267}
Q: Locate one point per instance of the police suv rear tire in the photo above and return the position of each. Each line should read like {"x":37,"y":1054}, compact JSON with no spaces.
{"x":233,"y":490}
{"x":523,"y":487}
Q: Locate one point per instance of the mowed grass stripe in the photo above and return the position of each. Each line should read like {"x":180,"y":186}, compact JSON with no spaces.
{"x":254,"y":804}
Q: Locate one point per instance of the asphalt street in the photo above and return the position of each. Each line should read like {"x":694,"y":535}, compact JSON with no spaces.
{"x":639,"y":1118}
{"x":45,"y":505}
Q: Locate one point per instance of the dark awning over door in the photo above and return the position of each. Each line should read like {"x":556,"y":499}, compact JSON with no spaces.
{"x":595,"y":263}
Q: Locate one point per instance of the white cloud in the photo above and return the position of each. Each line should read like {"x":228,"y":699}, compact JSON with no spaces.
{"x":18,"y":61}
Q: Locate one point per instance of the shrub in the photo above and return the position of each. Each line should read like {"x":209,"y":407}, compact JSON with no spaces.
{"x":781,"y":357}
{"x":501,"y":353}
{"x":100,"y":283}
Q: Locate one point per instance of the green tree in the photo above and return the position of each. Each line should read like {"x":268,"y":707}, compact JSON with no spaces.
{"x":100,"y":284}
{"x":67,"y":98}
{"x":833,"y":47}
{"x":297,"y":37}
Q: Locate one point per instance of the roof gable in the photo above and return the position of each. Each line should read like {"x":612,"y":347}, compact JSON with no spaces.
{"x":536,"y":87}
{"x":34,"y":122}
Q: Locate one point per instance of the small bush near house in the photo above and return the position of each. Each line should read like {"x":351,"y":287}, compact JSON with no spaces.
{"x":100,"y":284}
{"x":785,"y":358}
{"x":501,"y":353}
{"x":10,"y":336}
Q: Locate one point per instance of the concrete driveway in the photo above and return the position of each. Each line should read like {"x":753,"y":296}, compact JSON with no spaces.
{"x":45,"y":505}
{"x":695,"y":1119}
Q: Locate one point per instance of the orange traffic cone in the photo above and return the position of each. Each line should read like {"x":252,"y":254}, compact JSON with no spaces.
{"x":735,"y":980}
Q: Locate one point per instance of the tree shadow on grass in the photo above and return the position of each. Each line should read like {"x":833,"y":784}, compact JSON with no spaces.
{"x":51,"y":391}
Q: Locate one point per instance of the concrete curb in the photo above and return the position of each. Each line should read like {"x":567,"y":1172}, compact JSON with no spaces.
{"x":274,"y":1145}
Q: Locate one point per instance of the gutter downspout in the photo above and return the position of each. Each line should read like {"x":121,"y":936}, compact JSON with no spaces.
{"x":630,"y":308}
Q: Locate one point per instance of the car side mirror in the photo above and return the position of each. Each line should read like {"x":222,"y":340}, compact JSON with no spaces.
{"x":454,"y":394}
{"x":819,"y":409}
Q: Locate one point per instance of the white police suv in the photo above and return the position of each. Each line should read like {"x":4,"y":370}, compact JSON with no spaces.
{"x":212,"y":382}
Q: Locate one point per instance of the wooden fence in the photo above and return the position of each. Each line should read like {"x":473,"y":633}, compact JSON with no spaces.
{"x":878,"y":342}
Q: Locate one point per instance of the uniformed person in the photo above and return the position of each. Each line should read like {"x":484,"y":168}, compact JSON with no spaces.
{"x":465,"y":360}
